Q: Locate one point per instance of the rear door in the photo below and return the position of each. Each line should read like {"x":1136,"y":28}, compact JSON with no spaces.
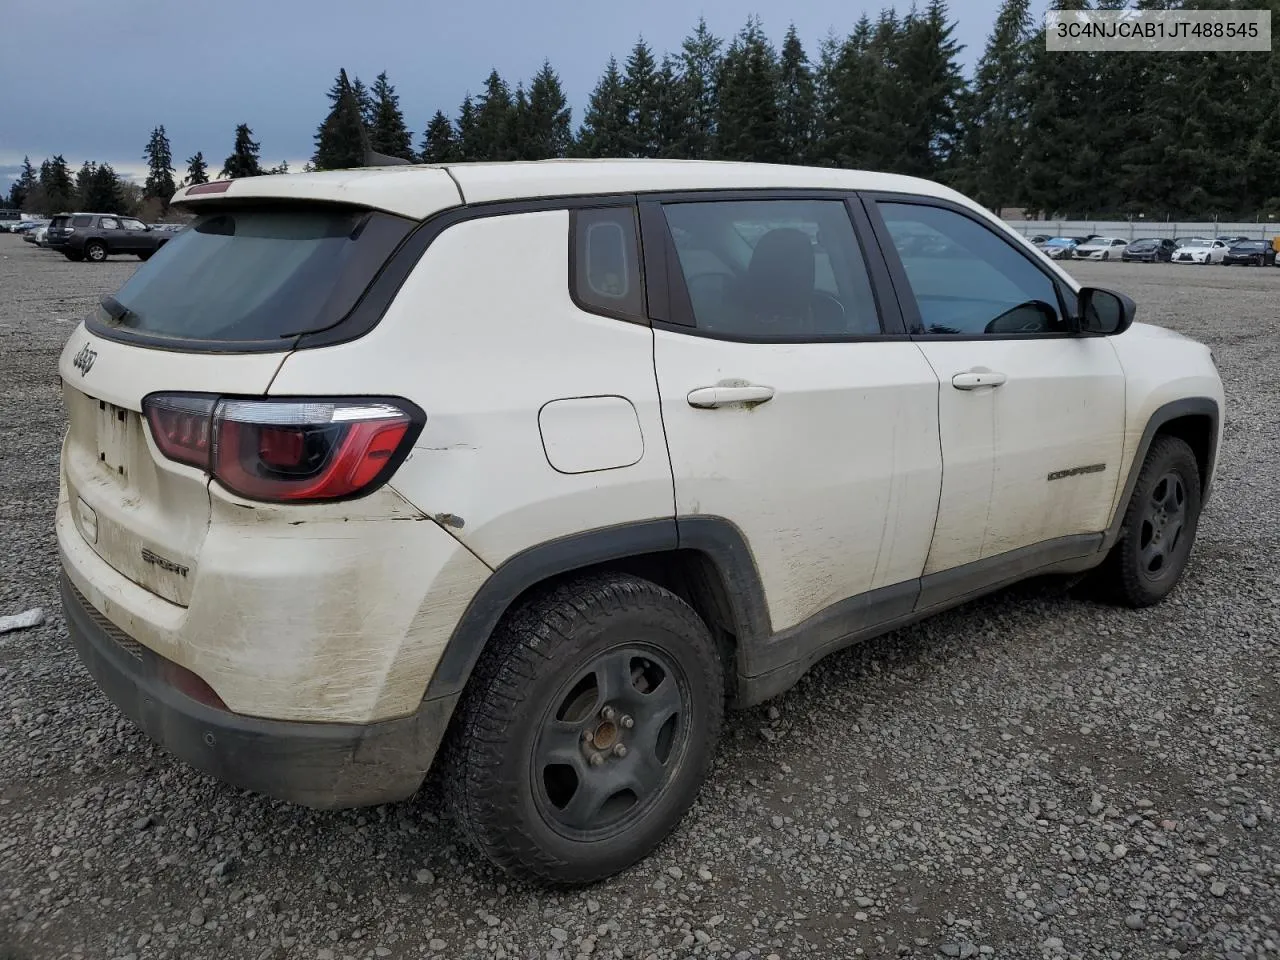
{"x":794,"y":405}
{"x":1031,"y":416}
{"x":210,"y":317}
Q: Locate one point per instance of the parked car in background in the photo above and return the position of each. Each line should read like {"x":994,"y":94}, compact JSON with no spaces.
{"x":24,"y":226}
{"x":34,"y":233}
{"x":1039,"y":238}
{"x":1200,"y":251}
{"x":95,"y":236}
{"x":1258,"y":253}
{"x":1232,"y":241}
{"x":1100,"y":248}
{"x":1057,"y":248}
{"x":1149,"y":250}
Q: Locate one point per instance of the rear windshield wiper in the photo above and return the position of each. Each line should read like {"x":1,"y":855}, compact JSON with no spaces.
{"x":115,"y":309}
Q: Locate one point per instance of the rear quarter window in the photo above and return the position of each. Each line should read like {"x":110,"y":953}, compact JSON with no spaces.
{"x":606,"y":262}
{"x":257,"y":274}
{"x":81,"y":221}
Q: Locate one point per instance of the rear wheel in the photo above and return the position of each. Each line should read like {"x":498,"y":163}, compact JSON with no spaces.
{"x":586,"y":730}
{"x":95,"y":250}
{"x":1159,"y":527}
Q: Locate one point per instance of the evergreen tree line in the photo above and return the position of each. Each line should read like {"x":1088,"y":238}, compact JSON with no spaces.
{"x":51,"y":188}
{"x":1059,"y":134}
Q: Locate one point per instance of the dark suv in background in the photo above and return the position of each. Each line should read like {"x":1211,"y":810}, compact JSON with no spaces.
{"x":94,"y":236}
{"x":1149,"y":249}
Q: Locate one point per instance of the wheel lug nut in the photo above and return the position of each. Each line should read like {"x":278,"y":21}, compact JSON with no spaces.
{"x":587,"y":736}
{"x":620,"y":750}
{"x":628,"y":722}
{"x":608,"y":713}
{"x":597,"y":759}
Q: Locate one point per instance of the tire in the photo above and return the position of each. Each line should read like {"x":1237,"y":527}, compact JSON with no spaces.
{"x":96,"y":251}
{"x":1147,"y":561}
{"x":579,"y":651}
{"x":1106,"y":255}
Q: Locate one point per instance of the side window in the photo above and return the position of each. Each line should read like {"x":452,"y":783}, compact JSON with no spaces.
{"x":109,"y":223}
{"x":606,"y":262}
{"x":81,"y":221}
{"x":133,"y":225}
{"x":968,"y":280}
{"x":773,"y":269}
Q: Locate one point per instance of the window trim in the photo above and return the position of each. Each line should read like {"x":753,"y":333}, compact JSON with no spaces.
{"x":906,"y":297}
{"x":642,"y":317}
{"x":675,"y":308}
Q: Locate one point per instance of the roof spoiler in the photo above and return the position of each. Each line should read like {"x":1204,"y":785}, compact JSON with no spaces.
{"x":374,"y":159}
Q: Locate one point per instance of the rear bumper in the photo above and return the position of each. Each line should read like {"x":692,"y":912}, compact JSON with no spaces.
{"x":320,"y":765}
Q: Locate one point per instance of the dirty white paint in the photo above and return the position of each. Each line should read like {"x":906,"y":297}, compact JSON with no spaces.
{"x":1061,"y":406}
{"x":834,"y":481}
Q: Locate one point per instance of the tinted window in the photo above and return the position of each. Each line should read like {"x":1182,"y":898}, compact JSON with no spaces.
{"x":81,"y":221}
{"x":606,"y":274}
{"x":133,"y":225}
{"x":773,"y":269}
{"x":258,"y":274}
{"x":109,"y":223}
{"x":966,"y":278}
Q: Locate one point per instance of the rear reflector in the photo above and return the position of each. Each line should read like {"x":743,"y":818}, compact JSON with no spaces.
{"x":286,"y":450}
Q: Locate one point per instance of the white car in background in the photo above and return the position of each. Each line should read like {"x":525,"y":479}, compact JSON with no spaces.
{"x":1200,"y":251}
{"x":1100,"y":248}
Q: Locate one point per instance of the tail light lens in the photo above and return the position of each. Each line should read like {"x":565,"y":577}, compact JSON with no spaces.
{"x":286,"y":450}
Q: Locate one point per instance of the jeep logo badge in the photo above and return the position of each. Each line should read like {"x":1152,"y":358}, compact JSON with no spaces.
{"x":84,"y":359}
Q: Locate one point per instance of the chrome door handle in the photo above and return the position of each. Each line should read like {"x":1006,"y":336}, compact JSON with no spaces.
{"x":973,"y":379}
{"x":720,"y":396}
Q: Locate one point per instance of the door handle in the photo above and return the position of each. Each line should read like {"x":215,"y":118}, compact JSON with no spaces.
{"x":973,"y":379}
{"x":720,"y":396}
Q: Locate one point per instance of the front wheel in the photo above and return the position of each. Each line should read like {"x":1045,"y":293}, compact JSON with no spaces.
{"x":587,"y":729}
{"x":1106,"y":255}
{"x":95,"y":251}
{"x":1159,"y":527}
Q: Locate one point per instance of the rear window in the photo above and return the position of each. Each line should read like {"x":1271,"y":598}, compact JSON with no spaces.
{"x":257,"y":274}
{"x":57,"y":222}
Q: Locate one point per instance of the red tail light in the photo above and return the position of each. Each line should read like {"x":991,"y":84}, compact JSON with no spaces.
{"x":286,"y":450}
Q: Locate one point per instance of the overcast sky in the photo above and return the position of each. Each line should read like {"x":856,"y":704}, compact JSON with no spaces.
{"x":89,"y":79}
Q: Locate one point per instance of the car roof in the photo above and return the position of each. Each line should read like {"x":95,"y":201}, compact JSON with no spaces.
{"x":419,"y":190}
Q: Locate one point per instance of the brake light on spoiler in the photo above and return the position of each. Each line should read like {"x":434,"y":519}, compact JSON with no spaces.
{"x":294,"y":450}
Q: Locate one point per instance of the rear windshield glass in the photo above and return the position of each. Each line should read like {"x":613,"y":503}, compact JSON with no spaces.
{"x":256,"y":274}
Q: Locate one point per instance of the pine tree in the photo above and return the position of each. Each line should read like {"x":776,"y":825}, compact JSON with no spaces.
{"x":853,"y":77}
{"x":197,"y":169}
{"x":495,"y":118}
{"x":342,"y":139}
{"x":748,"y":122}
{"x":57,"y":190}
{"x":923,"y":98}
{"x":674,"y":111}
{"x":84,"y":184}
{"x":797,"y":105}
{"x":104,"y":194}
{"x":995,"y":112}
{"x":387,"y":133}
{"x":243,"y":161}
{"x":368,"y":107}
{"x":640,"y":97}
{"x":605,"y":119}
{"x":25,"y":186}
{"x":699,"y":75}
{"x":159,"y":159}
{"x":439,"y":145}
{"x":466,"y":127}
{"x":550,"y":118}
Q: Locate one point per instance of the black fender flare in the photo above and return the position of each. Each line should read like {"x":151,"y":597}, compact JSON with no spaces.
{"x":717,"y":538}
{"x":1174,"y":410}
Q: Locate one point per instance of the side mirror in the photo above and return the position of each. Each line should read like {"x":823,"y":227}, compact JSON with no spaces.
{"x":1104,"y":311}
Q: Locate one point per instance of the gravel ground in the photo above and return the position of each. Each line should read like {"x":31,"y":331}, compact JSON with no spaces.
{"x":1030,"y":775}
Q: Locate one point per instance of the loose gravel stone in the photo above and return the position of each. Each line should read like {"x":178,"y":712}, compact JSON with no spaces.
{"x":1024,"y":776}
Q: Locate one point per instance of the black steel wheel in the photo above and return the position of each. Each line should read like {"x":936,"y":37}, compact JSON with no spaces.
{"x":586,"y":730}
{"x":1159,"y":527}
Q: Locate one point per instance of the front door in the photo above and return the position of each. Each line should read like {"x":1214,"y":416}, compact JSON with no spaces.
{"x":133,"y":236}
{"x":788,"y":409}
{"x":1031,"y":416}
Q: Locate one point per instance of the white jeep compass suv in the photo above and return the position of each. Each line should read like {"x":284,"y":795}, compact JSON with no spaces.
{"x":534,"y":467}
